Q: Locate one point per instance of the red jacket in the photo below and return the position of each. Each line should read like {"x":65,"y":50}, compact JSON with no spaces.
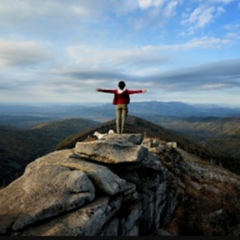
{"x":121,"y":97}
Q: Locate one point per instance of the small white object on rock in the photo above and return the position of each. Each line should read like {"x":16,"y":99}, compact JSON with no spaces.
{"x":102,"y":135}
{"x":110,"y":131}
{"x":172,"y":144}
{"x":99,"y":135}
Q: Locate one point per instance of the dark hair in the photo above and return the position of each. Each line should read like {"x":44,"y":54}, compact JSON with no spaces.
{"x":121,"y":85}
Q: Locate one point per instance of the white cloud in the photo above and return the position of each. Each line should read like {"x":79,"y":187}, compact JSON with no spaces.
{"x":206,"y":43}
{"x":170,"y":8}
{"x":232,"y":27}
{"x":216,"y":86}
{"x":139,"y":61}
{"x":62,"y":10}
{"x":155,"y":14}
{"x":201,"y":16}
{"x":145,"y":4}
{"x":222,"y":1}
{"x":52,"y":17}
{"x":22,"y":53}
{"x":71,"y":46}
{"x":126,"y":60}
{"x":27,"y":8}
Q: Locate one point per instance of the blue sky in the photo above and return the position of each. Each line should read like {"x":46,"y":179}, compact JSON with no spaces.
{"x":58,"y":51}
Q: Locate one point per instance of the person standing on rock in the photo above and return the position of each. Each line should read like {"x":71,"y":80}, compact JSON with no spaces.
{"x":121,"y":100}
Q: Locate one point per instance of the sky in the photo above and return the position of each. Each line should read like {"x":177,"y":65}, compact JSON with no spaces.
{"x":58,"y":51}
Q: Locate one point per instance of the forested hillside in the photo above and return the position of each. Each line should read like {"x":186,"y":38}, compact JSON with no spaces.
{"x":18,"y":147}
{"x":211,"y":138}
{"x":219,"y":134}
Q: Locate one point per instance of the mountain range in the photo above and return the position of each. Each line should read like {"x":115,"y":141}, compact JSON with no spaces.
{"x":27,"y":132}
{"x":103,"y":112}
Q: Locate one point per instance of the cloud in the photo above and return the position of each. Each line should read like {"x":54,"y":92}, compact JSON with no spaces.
{"x":206,"y":43}
{"x":200,"y":17}
{"x":79,"y":85}
{"x":126,"y":60}
{"x":58,"y":17}
{"x":145,"y":4}
{"x":51,"y":9}
{"x":131,"y":60}
{"x":233,"y":31}
{"x":22,"y":53}
{"x":222,"y":74}
{"x":61,"y":12}
{"x":54,"y":18}
{"x":216,"y":86}
{"x":63,"y":47}
{"x":88,"y":67}
{"x":80,"y":20}
{"x":154,"y":13}
{"x":204,"y":14}
{"x":222,"y":1}
{"x":170,"y":8}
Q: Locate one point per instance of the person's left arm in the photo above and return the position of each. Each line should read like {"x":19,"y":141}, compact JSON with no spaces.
{"x":137,"y":91}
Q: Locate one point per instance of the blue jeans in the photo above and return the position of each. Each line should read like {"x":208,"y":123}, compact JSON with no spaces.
{"x":121,"y":115}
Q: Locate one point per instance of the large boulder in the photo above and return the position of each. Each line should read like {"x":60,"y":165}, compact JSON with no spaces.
{"x":122,"y":185}
{"x":113,"y":150}
{"x":41,"y":194}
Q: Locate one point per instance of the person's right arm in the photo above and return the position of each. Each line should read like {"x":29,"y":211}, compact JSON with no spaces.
{"x":105,"y":90}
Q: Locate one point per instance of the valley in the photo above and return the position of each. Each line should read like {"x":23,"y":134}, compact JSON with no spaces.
{"x":28,"y":133}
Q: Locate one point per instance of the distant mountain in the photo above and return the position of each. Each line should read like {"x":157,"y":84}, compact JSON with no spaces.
{"x":49,"y":110}
{"x":207,"y":137}
{"x":180,"y":109}
{"x":106,"y":112}
{"x":18,"y":147}
{"x":164,"y":108}
{"x":23,"y":121}
{"x":172,"y":109}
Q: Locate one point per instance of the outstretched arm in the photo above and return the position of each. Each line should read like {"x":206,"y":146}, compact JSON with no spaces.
{"x":137,"y":91}
{"x":105,"y":90}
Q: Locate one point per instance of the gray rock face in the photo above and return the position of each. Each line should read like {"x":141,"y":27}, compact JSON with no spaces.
{"x":85,"y":221}
{"x":41,"y":194}
{"x":122,"y":185}
{"x":113,"y":150}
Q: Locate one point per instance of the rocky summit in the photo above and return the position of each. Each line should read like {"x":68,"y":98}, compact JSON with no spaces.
{"x":121,"y":185}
